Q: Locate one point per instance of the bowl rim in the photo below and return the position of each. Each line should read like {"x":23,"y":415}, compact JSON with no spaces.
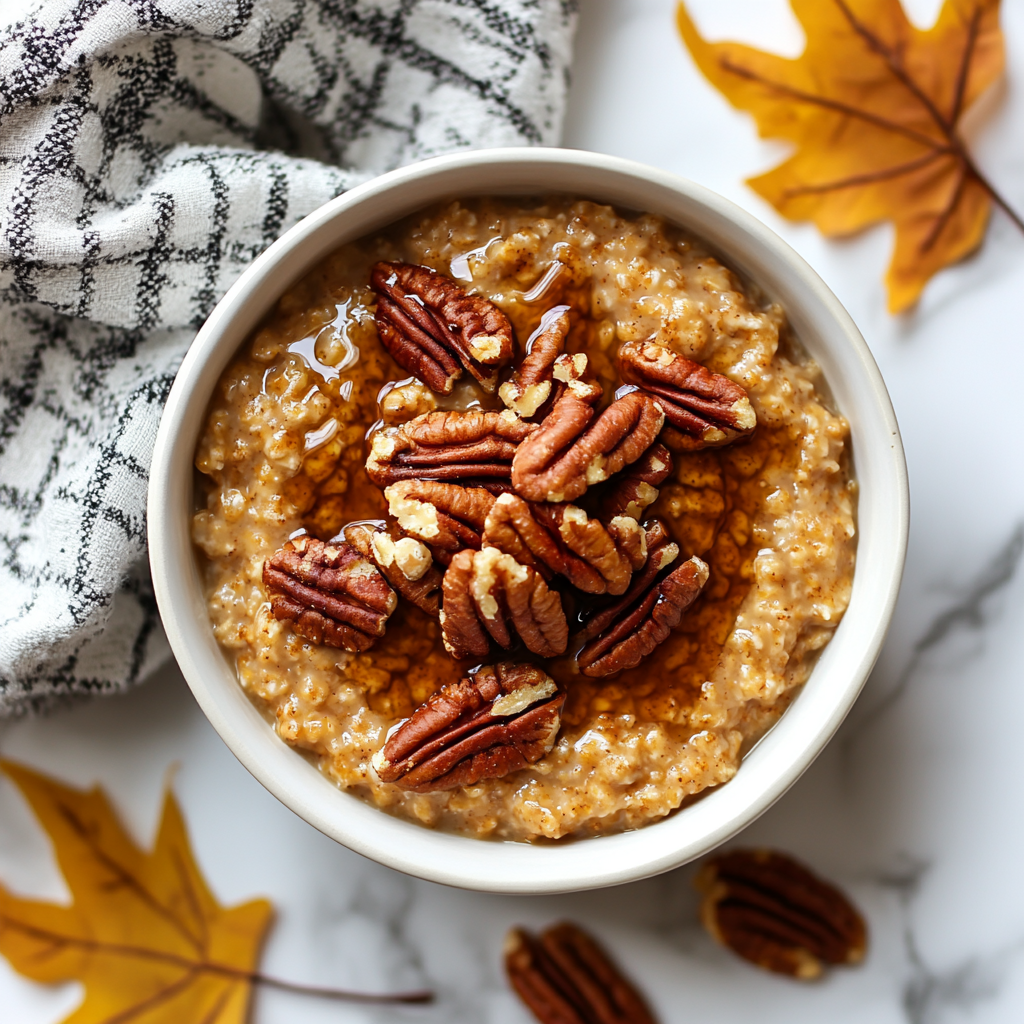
{"x":777,"y":760}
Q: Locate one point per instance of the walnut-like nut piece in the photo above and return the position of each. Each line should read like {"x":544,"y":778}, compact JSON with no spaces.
{"x":448,"y":445}
{"x":706,"y":407}
{"x":565,"y":977}
{"x":569,"y":373}
{"x":405,"y":401}
{"x":621,"y":635}
{"x":530,"y":386}
{"x":405,"y":563}
{"x":446,"y":517}
{"x":329,"y":593}
{"x":430,"y":324}
{"x":547,"y":371}
{"x":488,"y":595}
{"x":565,"y":541}
{"x":568,"y":453}
{"x":636,"y":487}
{"x":777,"y":914}
{"x":483,"y":727}
{"x":630,"y":538}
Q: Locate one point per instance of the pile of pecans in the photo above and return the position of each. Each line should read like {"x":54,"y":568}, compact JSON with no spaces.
{"x":509,"y":524}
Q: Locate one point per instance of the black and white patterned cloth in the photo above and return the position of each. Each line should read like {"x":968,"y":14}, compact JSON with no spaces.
{"x":149,"y":150}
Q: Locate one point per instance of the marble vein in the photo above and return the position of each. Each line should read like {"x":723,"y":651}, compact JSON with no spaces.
{"x":972,"y":610}
{"x":931,"y":995}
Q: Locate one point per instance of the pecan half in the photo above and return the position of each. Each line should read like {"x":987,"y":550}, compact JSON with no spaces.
{"x":489,"y":724}
{"x":622,"y":634}
{"x":446,"y":517}
{"x":487,"y":595}
{"x":774,"y":912}
{"x":329,"y":593}
{"x":433,"y":327}
{"x":568,"y":453}
{"x":405,"y":563}
{"x":447,"y":445}
{"x":565,"y":541}
{"x":706,"y":407}
{"x":636,"y":487}
{"x":565,"y":977}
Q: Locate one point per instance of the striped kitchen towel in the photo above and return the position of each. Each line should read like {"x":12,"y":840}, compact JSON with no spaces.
{"x":149,"y":150}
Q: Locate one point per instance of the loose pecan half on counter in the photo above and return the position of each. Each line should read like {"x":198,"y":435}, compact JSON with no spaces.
{"x":565,"y":977}
{"x":568,"y":453}
{"x":434,"y":328}
{"x":405,"y":563}
{"x":446,"y":517}
{"x":448,"y":445}
{"x":563,"y":540}
{"x":489,"y":724}
{"x":707,"y":408}
{"x":636,"y":487}
{"x":488,"y":596}
{"x":622,"y":634}
{"x":330,"y":593}
{"x":774,"y":912}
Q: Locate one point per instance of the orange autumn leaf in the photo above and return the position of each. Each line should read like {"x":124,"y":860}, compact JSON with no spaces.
{"x":873,"y":106}
{"x":143,"y":933}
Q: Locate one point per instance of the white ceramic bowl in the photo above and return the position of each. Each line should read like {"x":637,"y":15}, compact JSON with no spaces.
{"x":777,"y":761}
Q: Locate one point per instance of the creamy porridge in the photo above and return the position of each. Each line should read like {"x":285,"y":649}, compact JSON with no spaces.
{"x":770,"y":516}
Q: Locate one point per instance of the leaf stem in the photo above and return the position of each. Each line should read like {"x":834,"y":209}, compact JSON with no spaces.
{"x":59,"y":942}
{"x":870,"y":178}
{"x":895,"y":64}
{"x":838,"y":106}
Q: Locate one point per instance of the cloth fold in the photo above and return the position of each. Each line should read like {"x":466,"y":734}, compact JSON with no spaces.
{"x":149,"y":150}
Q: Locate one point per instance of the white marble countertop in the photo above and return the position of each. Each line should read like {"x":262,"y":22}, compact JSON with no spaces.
{"x":912,"y":808}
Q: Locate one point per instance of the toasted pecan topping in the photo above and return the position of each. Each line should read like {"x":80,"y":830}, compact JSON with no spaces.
{"x":434,"y":328}
{"x":774,"y":912}
{"x":329,"y":593}
{"x":636,"y":487}
{"x":705,"y":407}
{"x":447,"y":445}
{"x":490,"y":495}
{"x":622,"y":634}
{"x":562,"y":540}
{"x":489,"y":724}
{"x":488,"y":596}
{"x":570,"y":374}
{"x":405,"y":563}
{"x":446,"y":517}
{"x":531,"y":384}
{"x":568,"y":454}
{"x":547,"y":371}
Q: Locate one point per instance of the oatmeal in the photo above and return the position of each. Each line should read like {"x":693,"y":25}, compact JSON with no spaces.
{"x":669,"y":572}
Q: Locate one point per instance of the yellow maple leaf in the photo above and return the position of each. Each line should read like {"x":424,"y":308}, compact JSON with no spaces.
{"x":143,"y":933}
{"x":874,"y":106}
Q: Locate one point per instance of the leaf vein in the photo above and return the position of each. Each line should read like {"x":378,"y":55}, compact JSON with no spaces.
{"x":836,"y":105}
